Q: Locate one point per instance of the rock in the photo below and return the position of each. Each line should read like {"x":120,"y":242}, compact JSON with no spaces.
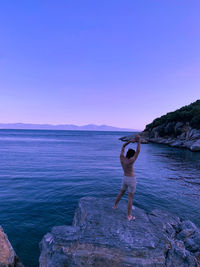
{"x":179,"y":256}
{"x":127,"y":138}
{"x":187,"y":129}
{"x":158,"y":131}
{"x":8,"y":257}
{"x":101,"y":236}
{"x":178,"y":128}
{"x":194,"y":134}
{"x":154,"y":133}
{"x":169,"y":128}
{"x":195,"y":146}
{"x":176,"y":143}
{"x":144,"y":138}
{"x":182,"y":136}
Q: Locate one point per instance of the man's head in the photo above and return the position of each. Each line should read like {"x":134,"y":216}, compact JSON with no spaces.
{"x":130,"y":153}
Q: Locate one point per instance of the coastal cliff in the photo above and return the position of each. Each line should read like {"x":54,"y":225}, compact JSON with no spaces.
{"x":8,"y":257}
{"x":180,"y":128}
{"x":101,"y":236}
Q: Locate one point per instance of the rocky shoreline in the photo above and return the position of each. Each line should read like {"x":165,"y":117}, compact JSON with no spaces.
{"x":101,"y":236}
{"x":174,"y":134}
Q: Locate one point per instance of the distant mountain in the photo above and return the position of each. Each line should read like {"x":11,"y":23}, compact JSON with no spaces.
{"x":89,"y":127}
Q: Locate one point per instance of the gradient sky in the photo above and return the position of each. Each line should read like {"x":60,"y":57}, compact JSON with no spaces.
{"x":115,"y":62}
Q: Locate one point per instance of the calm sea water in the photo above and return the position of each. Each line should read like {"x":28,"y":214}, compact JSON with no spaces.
{"x":43,"y":174}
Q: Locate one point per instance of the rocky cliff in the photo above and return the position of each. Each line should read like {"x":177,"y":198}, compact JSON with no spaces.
{"x":175,"y":134}
{"x":101,"y":236}
{"x":180,"y":128}
{"x":8,"y":257}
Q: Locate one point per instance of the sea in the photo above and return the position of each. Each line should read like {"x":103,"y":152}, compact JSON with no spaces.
{"x":44,"y":173}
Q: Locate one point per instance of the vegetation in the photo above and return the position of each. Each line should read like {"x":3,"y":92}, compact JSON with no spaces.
{"x":190,"y":114}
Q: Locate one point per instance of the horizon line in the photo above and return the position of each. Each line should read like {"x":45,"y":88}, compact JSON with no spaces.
{"x":72,"y":125}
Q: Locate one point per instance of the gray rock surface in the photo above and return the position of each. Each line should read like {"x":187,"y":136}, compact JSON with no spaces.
{"x":101,"y":236}
{"x":173,"y":134}
{"x":8,"y":257}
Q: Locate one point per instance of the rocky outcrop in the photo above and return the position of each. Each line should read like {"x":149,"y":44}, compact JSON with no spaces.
{"x":173,"y":134}
{"x":101,"y":236}
{"x":8,"y":257}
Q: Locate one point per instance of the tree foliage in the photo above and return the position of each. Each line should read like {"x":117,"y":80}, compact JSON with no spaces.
{"x":189,"y":113}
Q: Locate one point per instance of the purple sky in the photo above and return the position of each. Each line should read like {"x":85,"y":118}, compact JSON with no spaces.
{"x":115,"y":62}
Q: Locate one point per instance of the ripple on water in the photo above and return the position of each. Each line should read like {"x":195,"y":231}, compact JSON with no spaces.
{"x":43,"y":174}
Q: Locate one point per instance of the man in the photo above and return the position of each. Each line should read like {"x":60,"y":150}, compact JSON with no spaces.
{"x":129,"y":180}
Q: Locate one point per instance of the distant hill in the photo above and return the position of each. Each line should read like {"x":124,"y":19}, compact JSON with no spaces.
{"x":89,"y":127}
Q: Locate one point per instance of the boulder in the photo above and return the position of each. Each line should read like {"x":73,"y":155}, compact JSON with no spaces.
{"x":8,"y":257}
{"x":187,"y":129}
{"x":176,"y":143}
{"x":101,"y":236}
{"x":194,"y":134}
{"x":178,"y":128}
{"x":158,"y":131}
{"x":182,"y":136}
{"x":195,"y":146}
{"x":169,"y":128}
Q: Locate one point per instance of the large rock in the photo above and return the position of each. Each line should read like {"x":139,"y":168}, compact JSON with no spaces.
{"x":195,"y":146}
{"x":194,"y":134}
{"x":178,"y":128}
{"x":169,"y":128}
{"x":8,"y":257}
{"x":101,"y":236}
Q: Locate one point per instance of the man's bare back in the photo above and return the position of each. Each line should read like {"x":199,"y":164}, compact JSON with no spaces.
{"x":127,"y":162}
{"x":127,"y":166}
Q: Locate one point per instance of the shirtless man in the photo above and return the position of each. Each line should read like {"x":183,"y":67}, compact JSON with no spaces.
{"x":129,"y":180}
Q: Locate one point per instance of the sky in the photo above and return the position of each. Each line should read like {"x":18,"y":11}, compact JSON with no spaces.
{"x":116,"y":62}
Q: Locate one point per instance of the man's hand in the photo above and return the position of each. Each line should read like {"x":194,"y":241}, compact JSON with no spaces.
{"x":125,"y":144}
{"x":138,"y":139}
{"x":123,"y":148}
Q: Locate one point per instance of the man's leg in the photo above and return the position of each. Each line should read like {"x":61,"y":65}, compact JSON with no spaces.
{"x":121,"y":193}
{"x":130,"y":203}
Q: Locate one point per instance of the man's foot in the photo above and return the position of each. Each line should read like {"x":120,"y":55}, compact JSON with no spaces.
{"x":115,"y":207}
{"x":130,"y":218}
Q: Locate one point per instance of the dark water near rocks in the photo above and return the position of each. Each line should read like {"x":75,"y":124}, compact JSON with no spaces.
{"x":43,"y":174}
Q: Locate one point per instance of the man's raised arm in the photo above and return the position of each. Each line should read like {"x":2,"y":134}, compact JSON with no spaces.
{"x":123,"y":148}
{"x":124,"y":145}
{"x":138,"y":139}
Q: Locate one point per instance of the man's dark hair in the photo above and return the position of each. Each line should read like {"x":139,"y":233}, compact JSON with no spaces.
{"x":130,"y":153}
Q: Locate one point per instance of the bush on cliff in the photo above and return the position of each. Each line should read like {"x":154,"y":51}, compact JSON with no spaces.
{"x":189,"y":113}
